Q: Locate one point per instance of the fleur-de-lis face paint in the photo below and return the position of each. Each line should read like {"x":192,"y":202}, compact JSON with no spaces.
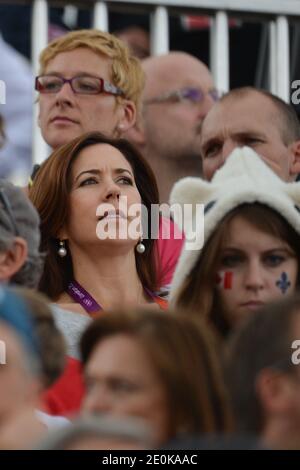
{"x":224,"y":279}
{"x":283,"y":283}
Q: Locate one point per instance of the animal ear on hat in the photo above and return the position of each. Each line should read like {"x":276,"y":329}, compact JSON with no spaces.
{"x":293,"y":191}
{"x":190,"y":191}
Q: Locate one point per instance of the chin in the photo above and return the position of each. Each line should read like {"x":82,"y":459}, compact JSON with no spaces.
{"x":64,"y":137}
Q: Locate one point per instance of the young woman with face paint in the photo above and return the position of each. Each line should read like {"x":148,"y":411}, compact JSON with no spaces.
{"x":251,"y":252}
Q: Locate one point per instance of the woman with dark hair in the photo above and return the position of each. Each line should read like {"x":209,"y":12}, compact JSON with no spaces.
{"x":94,"y":197}
{"x":160,"y":367}
{"x":84,"y":194}
{"x":251,"y":250}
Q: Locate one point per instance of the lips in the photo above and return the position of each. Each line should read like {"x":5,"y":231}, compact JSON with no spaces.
{"x":117,"y":214}
{"x":63,"y":119}
{"x":253,"y":304}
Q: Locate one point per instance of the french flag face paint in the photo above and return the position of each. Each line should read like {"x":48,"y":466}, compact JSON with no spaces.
{"x":283,"y":283}
{"x":224,"y":279}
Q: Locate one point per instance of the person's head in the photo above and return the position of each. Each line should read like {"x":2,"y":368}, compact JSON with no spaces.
{"x":258,"y":119}
{"x":51,"y":340}
{"x":137,"y":40}
{"x":251,"y":252}
{"x":263,"y":375}
{"x":73,"y":191}
{"x":104,"y":95}
{"x":161,"y":367}
{"x":99,"y":433}
{"x":19,"y":358}
{"x":20,"y":260}
{"x":178,"y":93}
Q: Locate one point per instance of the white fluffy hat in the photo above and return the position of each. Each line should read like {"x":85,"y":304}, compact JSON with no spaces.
{"x":245,"y":178}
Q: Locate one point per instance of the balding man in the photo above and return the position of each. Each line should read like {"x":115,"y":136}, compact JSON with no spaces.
{"x":258,"y":119}
{"x":178,"y":94}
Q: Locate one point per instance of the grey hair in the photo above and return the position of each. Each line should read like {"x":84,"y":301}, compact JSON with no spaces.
{"x":30,"y":273}
{"x":100,"y":426}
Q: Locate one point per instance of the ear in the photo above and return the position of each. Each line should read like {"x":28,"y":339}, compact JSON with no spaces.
{"x":295,"y":162}
{"x":273,"y":391}
{"x":62,"y":234}
{"x":136,"y":135}
{"x":191,"y":191}
{"x":12,"y":260}
{"x":128,"y":116}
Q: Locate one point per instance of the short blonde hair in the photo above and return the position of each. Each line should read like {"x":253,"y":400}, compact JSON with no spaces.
{"x":126,"y":71}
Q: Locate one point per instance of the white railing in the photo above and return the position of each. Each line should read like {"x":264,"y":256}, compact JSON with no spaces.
{"x":276,"y":12}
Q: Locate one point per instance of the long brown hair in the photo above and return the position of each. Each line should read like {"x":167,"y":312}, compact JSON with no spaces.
{"x":50,"y":195}
{"x":184,"y":356}
{"x":198,"y":294}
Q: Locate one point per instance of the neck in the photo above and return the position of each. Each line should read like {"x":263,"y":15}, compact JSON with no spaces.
{"x":281,"y":435}
{"x":112,"y":280}
{"x":169,"y":171}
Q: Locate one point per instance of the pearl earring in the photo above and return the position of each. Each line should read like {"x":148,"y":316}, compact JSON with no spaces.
{"x":62,"y":249}
{"x":140,"y":247}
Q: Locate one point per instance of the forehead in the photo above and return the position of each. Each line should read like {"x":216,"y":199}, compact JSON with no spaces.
{"x":78,"y":61}
{"x":100,"y":156}
{"x":242,"y":233}
{"x":252,"y":112}
{"x":119,"y":353}
{"x":174,"y":74}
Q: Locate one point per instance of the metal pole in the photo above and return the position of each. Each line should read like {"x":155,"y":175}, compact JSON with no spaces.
{"x":100,"y":16}
{"x":283,"y":59}
{"x":220,"y":42}
{"x":160,"y":31}
{"x":39,"y":40}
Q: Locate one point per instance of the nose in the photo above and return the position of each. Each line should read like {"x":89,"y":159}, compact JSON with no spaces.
{"x":65,"y":96}
{"x":254,"y":276}
{"x":228,"y":148}
{"x":204,"y":106}
{"x":208,"y":103}
{"x":112,"y":191}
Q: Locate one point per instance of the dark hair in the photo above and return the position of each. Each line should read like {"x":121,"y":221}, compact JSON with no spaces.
{"x":285,"y":113}
{"x":198,"y":295}
{"x":183,"y":353}
{"x":50,"y":194}
{"x":263,"y":341}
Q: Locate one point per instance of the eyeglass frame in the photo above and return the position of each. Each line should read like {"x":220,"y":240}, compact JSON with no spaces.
{"x":106,"y":87}
{"x":177,"y":96}
{"x":7,"y":208}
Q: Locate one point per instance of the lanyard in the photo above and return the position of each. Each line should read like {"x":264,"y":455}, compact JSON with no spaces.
{"x":81,"y":296}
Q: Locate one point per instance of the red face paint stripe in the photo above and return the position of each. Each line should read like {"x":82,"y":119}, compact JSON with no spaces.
{"x":228,"y":280}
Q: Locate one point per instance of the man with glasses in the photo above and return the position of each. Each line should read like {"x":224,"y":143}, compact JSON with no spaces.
{"x":20,"y":259}
{"x":178,"y":94}
{"x":263,"y":375}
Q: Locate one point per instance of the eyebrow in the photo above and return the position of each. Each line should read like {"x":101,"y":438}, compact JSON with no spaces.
{"x":62,"y":75}
{"x":93,"y":171}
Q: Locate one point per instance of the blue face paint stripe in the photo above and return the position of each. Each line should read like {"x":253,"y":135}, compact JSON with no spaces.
{"x":283,"y":283}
